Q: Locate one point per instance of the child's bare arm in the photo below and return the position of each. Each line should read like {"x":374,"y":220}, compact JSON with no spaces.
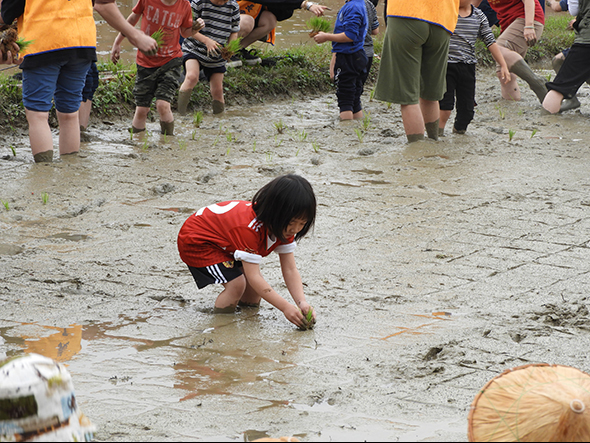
{"x":198,"y":25}
{"x":292,"y":279}
{"x":263,"y":289}
{"x":322,"y":37}
{"x":497,"y":54}
{"x":232,"y":36}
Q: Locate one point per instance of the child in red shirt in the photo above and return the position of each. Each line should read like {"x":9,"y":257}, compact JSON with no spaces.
{"x":159,"y":75}
{"x":225,"y":242}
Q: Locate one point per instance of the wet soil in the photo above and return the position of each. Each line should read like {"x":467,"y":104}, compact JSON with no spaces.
{"x":433,"y":267}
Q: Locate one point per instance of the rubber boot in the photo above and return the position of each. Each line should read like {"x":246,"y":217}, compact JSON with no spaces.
{"x":183,"y":98}
{"x":167,"y":127}
{"x":536,"y":83}
{"x":135,"y":130}
{"x":414,"y":137}
{"x":44,"y":157}
{"x":569,"y":103}
{"x":218,"y":107}
{"x":458,"y":131}
{"x":441,"y":132}
{"x":432,"y":129}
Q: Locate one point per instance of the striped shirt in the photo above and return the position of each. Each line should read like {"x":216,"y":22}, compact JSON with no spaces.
{"x":373,"y":23}
{"x":468,"y":29}
{"x":220,"y":23}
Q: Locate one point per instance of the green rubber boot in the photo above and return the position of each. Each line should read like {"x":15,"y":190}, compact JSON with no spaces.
{"x":44,"y":157}
{"x":183,"y":98}
{"x":432,"y":129}
{"x":218,"y":107}
{"x":415,"y":137}
{"x":536,"y":83}
{"x":167,"y":127}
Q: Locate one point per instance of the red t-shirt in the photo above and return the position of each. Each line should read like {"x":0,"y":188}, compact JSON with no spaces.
{"x":156,"y":15}
{"x":227,"y":231}
{"x":509,"y":10}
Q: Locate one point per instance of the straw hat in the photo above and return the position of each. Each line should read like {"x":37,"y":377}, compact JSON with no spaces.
{"x":37,"y":402}
{"x":537,"y":402}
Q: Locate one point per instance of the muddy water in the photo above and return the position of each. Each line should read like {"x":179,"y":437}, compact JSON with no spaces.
{"x":433,"y":268}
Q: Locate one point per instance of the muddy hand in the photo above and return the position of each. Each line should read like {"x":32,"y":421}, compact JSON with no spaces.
{"x":530,"y":36}
{"x":198,"y":24}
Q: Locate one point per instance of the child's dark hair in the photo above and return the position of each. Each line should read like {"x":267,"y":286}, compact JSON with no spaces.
{"x":285,"y":198}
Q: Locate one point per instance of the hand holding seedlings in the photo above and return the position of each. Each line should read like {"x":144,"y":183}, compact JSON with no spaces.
{"x":11,"y":45}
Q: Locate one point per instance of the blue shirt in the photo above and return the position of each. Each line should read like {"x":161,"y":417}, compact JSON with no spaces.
{"x":352,"y":20}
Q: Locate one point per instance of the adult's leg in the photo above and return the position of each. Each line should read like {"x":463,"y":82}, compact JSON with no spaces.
{"x":266,"y":23}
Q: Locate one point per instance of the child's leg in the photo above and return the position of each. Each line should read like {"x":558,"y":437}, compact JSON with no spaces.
{"x":465,"y":98}
{"x":39,"y":132}
{"x":166,"y":117}
{"x":430,"y":115}
{"x":139,"y":118}
{"x":231,"y":294}
{"x":249,"y":298}
{"x":69,"y":132}
{"x":216,"y":85}
{"x":193,"y":68}
{"x":447,"y":104}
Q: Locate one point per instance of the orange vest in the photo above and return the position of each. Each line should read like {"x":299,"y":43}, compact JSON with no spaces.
{"x":443,"y":13}
{"x":254,"y":10}
{"x":57,"y":24}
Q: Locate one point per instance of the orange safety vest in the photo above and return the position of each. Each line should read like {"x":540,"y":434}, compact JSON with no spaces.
{"x":444,"y":13}
{"x":57,"y":24}
{"x":254,"y":10}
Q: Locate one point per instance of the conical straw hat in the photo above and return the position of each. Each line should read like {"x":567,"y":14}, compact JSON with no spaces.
{"x":537,"y":402}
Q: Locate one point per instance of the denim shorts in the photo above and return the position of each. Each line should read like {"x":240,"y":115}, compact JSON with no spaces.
{"x":60,"y":83}
{"x":91,"y":84}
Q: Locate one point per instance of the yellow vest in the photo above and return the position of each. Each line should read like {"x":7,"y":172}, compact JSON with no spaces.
{"x":444,"y":13}
{"x":57,"y":24}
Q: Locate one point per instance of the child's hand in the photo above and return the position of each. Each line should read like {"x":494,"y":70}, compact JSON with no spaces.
{"x":10,"y":56}
{"x":321,"y":37}
{"x":198,"y":24}
{"x":212,"y":47}
{"x":294,"y":315}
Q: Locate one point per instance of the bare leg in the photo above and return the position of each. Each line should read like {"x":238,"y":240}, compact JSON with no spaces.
{"x":358,"y":115}
{"x":413,"y":122}
{"x":266,"y":23}
{"x":552,"y":102}
{"x":39,"y":131}
{"x":69,"y":132}
{"x":140,"y":117}
{"x":85,"y":109}
{"x":442,"y":122}
{"x":231,"y":294}
{"x":346,"y":115}
{"x":250,"y":297}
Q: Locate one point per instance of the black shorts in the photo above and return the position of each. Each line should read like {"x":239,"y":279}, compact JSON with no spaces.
{"x":220,"y":273}
{"x":574,"y":71}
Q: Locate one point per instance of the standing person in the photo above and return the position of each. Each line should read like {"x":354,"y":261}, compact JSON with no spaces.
{"x":222,"y":23}
{"x":225,"y":243}
{"x":414,"y":61}
{"x":472,"y":24}
{"x":158,"y":75}
{"x":373,"y":29}
{"x":349,"y":57}
{"x":56,"y":63}
{"x":522,"y":23}
{"x":259,"y":18}
{"x":576,"y":66}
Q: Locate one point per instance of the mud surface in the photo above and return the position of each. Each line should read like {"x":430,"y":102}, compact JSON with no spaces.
{"x":433,"y":267}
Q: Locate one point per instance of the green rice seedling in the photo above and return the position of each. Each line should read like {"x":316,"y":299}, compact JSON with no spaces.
{"x":501,"y":112}
{"x":280,"y":126}
{"x":269,"y":156}
{"x":6,"y":205}
{"x":254,"y":146}
{"x":360,"y":134}
{"x":309,"y":316}
{"x":198,"y":118}
{"x":231,"y":48}
{"x":318,"y":24}
{"x":511,"y":133}
{"x":534,"y":132}
{"x":389,"y":105}
{"x":366,"y":121}
{"x":315,"y":146}
{"x":371,"y":95}
{"x":194,"y":134}
{"x":228,"y":150}
{"x":158,"y":36}
{"x":216,"y":141}
{"x":44,"y":198}
{"x":182,"y":144}
{"x":13,"y":151}
{"x":23,"y":44}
